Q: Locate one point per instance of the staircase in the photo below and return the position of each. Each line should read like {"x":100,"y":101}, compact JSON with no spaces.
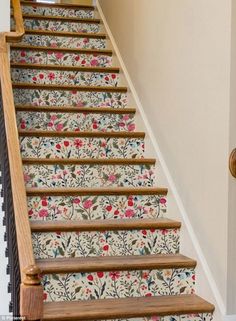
{"x":100,"y":236}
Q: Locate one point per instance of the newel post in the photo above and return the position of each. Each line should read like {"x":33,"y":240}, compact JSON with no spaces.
{"x":31,"y":294}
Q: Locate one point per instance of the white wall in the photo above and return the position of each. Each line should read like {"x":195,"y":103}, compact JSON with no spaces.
{"x":178,"y":56}
{"x":5,"y":15}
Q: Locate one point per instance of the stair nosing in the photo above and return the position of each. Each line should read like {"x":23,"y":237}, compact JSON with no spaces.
{"x":63,"y":49}
{"x":31,"y":86}
{"x":64,"y":67}
{"x":55,"y":5}
{"x":114,"y":263}
{"x":84,"y":134}
{"x":96,"y":191}
{"x":72,"y":19}
{"x":69,"y":109}
{"x":67,"y":34}
{"x":103,"y":225}
{"x":126,"y":308}
{"x":89,"y":161}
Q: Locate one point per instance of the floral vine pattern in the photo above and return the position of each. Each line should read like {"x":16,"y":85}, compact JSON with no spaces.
{"x":46,"y":147}
{"x":62,"y":77}
{"x":60,"y":25}
{"x":63,"y":208}
{"x":60,"y":12}
{"x":51,"y":41}
{"x":60,"y":58}
{"x":69,"y":98}
{"x":48,"y":176}
{"x":184,"y":317}
{"x":75,"y":122}
{"x":118,"y":284}
{"x":108,"y":243}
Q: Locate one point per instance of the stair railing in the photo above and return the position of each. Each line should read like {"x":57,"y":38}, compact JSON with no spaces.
{"x":30,"y":291}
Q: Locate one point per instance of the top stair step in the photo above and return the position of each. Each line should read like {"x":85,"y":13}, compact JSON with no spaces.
{"x":55,"y":5}
{"x":125,"y":308}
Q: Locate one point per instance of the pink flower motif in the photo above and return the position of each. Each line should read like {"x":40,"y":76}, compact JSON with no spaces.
{"x":87,"y":204}
{"x":121,"y":124}
{"x":78,"y":143}
{"x":125,"y":117}
{"x":129,"y":213}
{"x":26,"y":178}
{"x":76,"y":201}
{"x":114,"y":275}
{"x":59,"y":55}
{"x":162,"y":200}
{"x":112,"y":178}
{"x":50,"y":124}
{"x":43,"y":213}
{"x":53,"y":117}
{"x":51,"y":76}
{"x":30,"y":212}
{"x":59,"y":127}
{"x":131,"y":127}
{"x":85,"y":40}
{"x":94,"y":62}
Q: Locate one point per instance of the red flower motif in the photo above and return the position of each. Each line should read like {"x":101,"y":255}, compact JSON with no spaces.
{"x":77,"y":58}
{"x":129,"y":213}
{"x":34,"y":78}
{"x":90,"y":277}
{"x":148,"y":294}
{"x":66,"y":143}
{"x":51,"y":76}
{"x":152,"y":230}
{"x":106,"y":78}
{"x":41,"y":76}
{"x":144,"y":232}
{"x":130,"y":203}
{"x":87,"y":204}
{"x":100,"y":274}
{"x":193,"y":277}
{"x":116,"y":212}
{"x":23,"y":54}
{"x":109,"y":208}
{"x":113,"y":76}
{"x":162,"y":200}
{"x":114,"y":275}
{"x":83,"y":62}
{"x":105,"y":247}
{"x":95,"y":125}
{"x":45,"y":296}
{"x":22,"y":125}
{"x":58,"y":146}
{"x":43,"y":213}
{"x":44,"y":203}
{"x":30,"y":212}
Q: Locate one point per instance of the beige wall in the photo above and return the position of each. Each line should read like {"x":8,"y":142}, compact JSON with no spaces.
{"x":5,"y":15}
{"x":178,"y":56}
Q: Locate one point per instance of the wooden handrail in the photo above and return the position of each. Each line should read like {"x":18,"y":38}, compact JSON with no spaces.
{"x":30,"y":303}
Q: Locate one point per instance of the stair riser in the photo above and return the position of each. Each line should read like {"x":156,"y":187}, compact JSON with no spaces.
{"x":69,"y":98}
{"x":75,"y":122}
{"x":61,"y":26}
{"x":109,"y":243}
{"x":64,"y":42}
{"x":48,"y":176}
{"x":96,"y":207}
{"x":118,"y":284}
{"x":189,"y":317}
{"x":50,"y":147}
{"x":65,"y":77}
{"x":61,"y":12}
{"x":60,"y":58}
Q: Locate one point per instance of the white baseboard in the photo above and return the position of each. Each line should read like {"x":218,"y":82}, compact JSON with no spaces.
{"x":201,"y":258}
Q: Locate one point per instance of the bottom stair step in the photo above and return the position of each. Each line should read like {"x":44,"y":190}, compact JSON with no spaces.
{"x":129,"y":308}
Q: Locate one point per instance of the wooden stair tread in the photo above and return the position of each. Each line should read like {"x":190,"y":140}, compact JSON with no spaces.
{"x":69,"y":87}
{"x":66,"y":34}
{"x":125,"y":308}
{"x":60,"y":67}
{"x":96,"y":191}
{"x":61,"y":49}
{"x":115,"y":263}
{"x":69,"y":109}
{"x":103,"y":225}
{"x":41,"y":133}
{"x":59,"y":5}
{"x":89,"y":161}
{"x":69,"y":19}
